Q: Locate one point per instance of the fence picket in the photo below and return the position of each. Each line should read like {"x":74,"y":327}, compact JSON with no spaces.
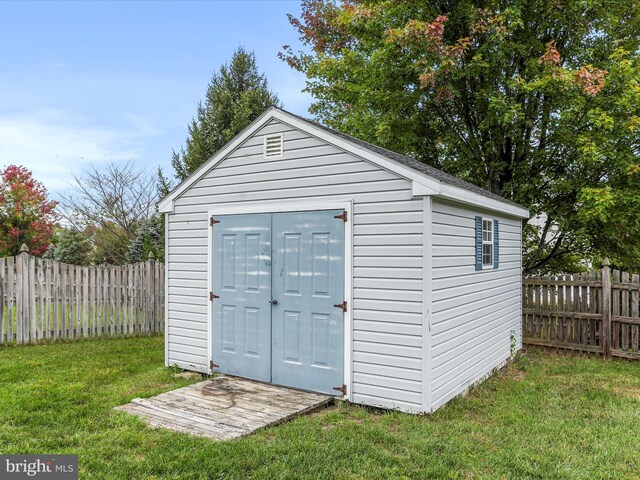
{"x":616,"y":312}
{"x":3,"y":339}
{"x":635,"y":281}
{"x":624,"y":311}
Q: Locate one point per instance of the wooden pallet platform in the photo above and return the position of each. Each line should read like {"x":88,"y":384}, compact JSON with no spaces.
{"x":224,"y":407}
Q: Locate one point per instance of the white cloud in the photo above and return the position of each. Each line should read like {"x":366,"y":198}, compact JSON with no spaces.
{"x":55,"y":144}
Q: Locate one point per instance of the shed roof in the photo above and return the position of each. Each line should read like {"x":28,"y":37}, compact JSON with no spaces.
{"x":410,"y":162}
{"x":429,"y":180}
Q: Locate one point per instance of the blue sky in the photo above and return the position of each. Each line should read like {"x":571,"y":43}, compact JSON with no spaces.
{"x":84,"y":83}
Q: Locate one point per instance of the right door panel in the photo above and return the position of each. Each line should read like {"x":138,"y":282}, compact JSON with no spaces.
{"x":307,"y":281}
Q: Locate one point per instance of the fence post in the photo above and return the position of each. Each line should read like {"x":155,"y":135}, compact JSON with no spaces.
{"x":606,"y":308}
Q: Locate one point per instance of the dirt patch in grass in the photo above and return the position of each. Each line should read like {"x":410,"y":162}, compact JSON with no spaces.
{"x":628,"y":392}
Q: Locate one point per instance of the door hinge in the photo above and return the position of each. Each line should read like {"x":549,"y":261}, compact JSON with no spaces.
{"x":213,"y":365}
{"x":342,"y":389}
{"x":213,"y":296}
{"x":342,"y":306}
{"x":213,"y":221}
{"x":342,"y":216}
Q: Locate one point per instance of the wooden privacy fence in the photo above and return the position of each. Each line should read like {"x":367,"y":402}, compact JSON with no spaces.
{"x":591,"y":312}
{"x":44,"y":300}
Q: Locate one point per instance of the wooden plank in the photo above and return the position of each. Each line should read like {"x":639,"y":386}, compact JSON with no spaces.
{"x":562,"y":307}
{"x":112,"y":300}
{"x":593,"y":324}
{"x":129,"y":298}
{"x":100,"y":312}
{"x":615,"y":344}
{"x":94,"y":306}
{"x":78,"y":300}
{"x":621,"y":320}
{"x":571,"y":281}
{"x":71,"y":320}
{"x":584,"y":323}
{"x":538,"y":324}
{"x":553,"y":307}
{"x":20,"y":293}
{"x":561,"y":345}
{"x":625,"y":285}
{"x":48,"y":293}
{"x":625,"y":354}
{"x":64,"y":308}
{"x":31,"y":306}
{"x":575,"y":323}
{"x":624,"y":312}
{"x":3,"y":311}
{"x":635,"y":329}
{"x":606,"y":309}
{"x":55,"y":274}
{"x":545,"y":323}
{"x":85,"y":302}
{"x":11,"y":304}
{"x":39,"y":289}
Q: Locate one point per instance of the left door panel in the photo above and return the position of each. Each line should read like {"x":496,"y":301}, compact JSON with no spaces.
{"x":242,"y":280}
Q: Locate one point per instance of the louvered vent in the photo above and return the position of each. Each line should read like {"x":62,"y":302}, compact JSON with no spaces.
{"x":273,"y":146}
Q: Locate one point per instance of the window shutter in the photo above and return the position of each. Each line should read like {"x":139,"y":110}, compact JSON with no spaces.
{"x":496,"y":245}
{"x":478,"y":243}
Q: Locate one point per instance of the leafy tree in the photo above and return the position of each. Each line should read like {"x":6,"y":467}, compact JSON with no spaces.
{"x":536,"y":100}
{"x":236,"y":95}
{"x":150,"y":239}
{"x":70,"y":246}
{"x":26,"y":214}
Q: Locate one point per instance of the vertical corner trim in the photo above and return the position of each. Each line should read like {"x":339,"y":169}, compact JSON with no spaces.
{"x":427,"y":275}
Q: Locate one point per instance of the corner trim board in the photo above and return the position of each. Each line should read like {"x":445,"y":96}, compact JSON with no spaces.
{"x":427,"y":270}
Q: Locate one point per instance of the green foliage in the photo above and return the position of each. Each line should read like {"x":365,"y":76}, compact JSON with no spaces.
{"x":110,"y":243}
{"x":236,"y":95}
{"x":538,"y":101}
{"x":545,"y":417}
{"x":70,"y":246}
{"x":149,"y":239}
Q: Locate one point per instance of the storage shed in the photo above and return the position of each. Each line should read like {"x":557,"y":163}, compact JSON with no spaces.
{"x":304,"y":257}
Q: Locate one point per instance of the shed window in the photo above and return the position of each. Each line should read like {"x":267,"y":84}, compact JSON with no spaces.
{"x":487,"y":243}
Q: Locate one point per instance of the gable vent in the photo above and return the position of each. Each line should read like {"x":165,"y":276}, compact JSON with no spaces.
{"x":273,"y":145}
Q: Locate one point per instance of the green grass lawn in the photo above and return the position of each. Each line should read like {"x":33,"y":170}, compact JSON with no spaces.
{"x":545,"y":417}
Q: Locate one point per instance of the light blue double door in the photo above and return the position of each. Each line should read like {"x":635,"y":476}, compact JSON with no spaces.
{"x":279,"y":279}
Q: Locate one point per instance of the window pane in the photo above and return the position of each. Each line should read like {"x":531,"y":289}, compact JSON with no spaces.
{"x":487,"y":254}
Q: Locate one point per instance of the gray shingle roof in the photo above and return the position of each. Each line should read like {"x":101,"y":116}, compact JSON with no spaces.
{"x":411,"y":163}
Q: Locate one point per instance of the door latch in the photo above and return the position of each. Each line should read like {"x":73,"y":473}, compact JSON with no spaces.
{"x":273,"y":302}
{"x":213,"y":296}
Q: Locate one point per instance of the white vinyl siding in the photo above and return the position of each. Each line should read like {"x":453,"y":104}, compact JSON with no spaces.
{"x":473,"y":312}
{"x":387,"y":255}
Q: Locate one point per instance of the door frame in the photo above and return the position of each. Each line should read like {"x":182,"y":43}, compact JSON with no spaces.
{"x":283,"y":207}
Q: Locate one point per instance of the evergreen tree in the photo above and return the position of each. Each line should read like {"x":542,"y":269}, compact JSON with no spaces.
{"x":236,"y":95}
{"x":150,"y":239}
{"x":71,"y":246}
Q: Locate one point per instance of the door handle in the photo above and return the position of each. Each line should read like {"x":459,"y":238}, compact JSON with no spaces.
{"x":273,"y":302}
